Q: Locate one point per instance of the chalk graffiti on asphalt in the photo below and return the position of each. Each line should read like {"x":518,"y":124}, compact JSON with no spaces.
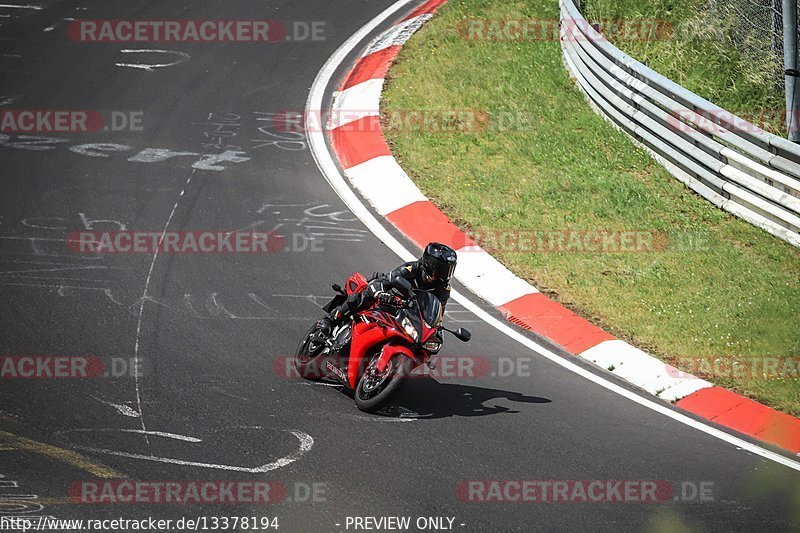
{"x":224,"y":131}
{"x":319,"y":222}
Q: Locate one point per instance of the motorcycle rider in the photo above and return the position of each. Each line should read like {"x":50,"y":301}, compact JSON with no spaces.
{"x":432,"y":272}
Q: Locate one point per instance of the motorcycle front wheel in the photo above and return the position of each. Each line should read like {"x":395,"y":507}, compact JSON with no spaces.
{"x":374,"y":389}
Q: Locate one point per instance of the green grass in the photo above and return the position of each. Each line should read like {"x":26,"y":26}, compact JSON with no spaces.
{"x":735,"y":291}
{"x":696,"y":50}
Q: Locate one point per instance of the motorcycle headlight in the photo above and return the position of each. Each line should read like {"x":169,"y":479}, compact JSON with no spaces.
{"x":432,"y":346}
{"x":410,"y":329}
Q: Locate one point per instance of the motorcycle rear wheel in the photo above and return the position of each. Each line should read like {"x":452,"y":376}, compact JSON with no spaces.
{"x":306,"y":358}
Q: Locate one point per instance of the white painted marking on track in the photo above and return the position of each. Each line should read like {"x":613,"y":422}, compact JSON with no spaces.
{"x":30,"y":239}
{"x":156,"y":433}
{"x":122,"y":409}
{"x":155,"y":155}
{"x":23,"y":262}
{"x":254,"y":297}
{"x":54,"y":26}
{"x":306,"y":442}
{"x":17,"y":6}
{"x":96,"y":150}
{"x":73,"y":256}
{"x":144,"y":298}
{"x":330,"y":171}
{"x":62,"y":278}
{"x":60,"y":269}
{"x":182,"y":57}
{"x":111,"y":297}
{"x":379,"y":419}
{"x":60,"y":287}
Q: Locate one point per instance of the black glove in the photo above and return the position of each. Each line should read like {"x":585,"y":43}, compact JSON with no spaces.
{"x":384,"y":297}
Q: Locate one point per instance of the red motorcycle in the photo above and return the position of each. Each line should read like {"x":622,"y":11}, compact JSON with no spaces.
{"x":373,"y":353}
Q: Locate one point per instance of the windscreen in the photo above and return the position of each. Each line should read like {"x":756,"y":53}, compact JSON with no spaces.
{"x":431,"y":308}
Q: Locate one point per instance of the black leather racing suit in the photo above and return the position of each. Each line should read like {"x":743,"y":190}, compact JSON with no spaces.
{"x":381,"y":283}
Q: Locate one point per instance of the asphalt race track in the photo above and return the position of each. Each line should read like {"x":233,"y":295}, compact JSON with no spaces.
{"x":209,"y":401}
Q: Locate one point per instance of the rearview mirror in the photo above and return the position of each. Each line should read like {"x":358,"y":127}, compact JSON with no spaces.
{"x":462,"y":334}
{"x":337,"y":288}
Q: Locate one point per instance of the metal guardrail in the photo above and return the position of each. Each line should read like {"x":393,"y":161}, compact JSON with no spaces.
{"x":737,"y":166}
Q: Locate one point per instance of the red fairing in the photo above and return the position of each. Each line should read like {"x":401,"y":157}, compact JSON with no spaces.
{"x":380,"y":328}
{"x":365,"y":335}
{"x":390,"y":350}
{"x":356,"y":283}
{"x":427,"y":332}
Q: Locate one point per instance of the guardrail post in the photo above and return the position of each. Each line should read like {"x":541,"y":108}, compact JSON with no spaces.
{"x":790,"y":69}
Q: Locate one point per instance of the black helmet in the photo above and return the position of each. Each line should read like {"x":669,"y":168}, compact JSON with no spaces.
{"x":438,"y":262}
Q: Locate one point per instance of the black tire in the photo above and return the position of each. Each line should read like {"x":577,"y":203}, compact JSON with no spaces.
{"x":370,"y":401}
{"x":306,"y":360}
